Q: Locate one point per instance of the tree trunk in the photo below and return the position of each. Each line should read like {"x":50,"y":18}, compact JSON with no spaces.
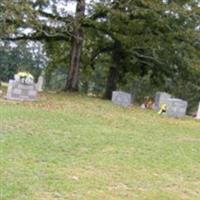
{"x":76,"y":49}
{"x":113,"y":74}
{"x":111,"y":83}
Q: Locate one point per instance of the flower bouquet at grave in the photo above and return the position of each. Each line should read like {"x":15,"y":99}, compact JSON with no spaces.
{"x":24,"y":78}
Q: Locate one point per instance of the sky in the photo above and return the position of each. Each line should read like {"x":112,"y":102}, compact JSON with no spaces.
{"x":71,"y":6}
{"x":70,"y":9}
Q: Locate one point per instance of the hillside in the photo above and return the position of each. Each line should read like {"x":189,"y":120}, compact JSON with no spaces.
{"x":76,"y":147}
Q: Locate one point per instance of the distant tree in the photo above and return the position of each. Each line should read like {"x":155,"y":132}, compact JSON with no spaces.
{"x":76,"y":48}
{"x":144,"y":36}
{"x":21,"y":57}
{"x":52,"y":25}
{"x":160,"y":38}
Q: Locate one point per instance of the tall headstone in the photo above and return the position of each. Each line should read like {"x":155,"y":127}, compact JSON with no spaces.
{"x":40,"y":83}
{"x":176,"y":108}
{"x":198,"y":113}
{"x":160,"y":99}
{"x":22,"y":92}
{"x":122,"y":98}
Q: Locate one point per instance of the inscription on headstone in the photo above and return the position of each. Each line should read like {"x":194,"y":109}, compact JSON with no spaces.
{"x":122,"y":98}
{"x":22,"y":92}
{"x":176,"y":108}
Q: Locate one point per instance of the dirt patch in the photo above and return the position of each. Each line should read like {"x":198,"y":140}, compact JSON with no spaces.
{"x":188,"y":139}
{"x":48,"y":196}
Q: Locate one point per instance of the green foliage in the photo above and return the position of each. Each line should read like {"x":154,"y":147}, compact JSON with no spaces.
{"x":58,"y":53}
{"x":57,"y":80}
{"x":155,"y":39}
{"x":150,"y":37}
{"x":21,"y":57}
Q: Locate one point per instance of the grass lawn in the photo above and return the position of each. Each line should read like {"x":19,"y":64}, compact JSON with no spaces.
{"x":79,"y":148}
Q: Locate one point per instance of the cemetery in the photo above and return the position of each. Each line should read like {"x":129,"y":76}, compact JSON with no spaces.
{"x":72,"y":139}
{"x":24,"y":89}
{"x":99,"y":100}
{"x":174,"y":107}
{"x":65,"y":139}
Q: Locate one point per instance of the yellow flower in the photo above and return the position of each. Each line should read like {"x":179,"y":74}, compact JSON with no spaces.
{"x":25,"y":74}
{"x":163,"y":109}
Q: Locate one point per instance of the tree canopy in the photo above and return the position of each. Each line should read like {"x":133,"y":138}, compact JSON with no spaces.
{"x":112,"y":44}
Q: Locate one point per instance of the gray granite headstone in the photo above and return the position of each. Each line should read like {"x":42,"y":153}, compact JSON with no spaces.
{"x":122,"y":98}
{"x":176,"y":108}
{"x":22,"y":92}
{"x":40,"y":83}
{"x":160,"y":99}
{"x":198,"y":112}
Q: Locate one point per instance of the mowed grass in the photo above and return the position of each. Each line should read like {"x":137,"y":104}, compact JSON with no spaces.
{"x":76,"y":147}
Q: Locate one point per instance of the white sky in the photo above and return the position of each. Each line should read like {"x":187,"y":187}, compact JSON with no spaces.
{"x":71,"y":6}
{"x":63,"y":7}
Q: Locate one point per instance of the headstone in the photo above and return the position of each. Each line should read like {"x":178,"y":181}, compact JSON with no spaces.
{"x":198,"y":112}
{"x":176,"y":108}
{"x":22,"y":92}
{"x":160,"y":99}
{"x":122,"y":98}
{"x":40,"y":83}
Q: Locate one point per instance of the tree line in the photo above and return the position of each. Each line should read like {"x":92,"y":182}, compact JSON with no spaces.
{"x":113,"y":44}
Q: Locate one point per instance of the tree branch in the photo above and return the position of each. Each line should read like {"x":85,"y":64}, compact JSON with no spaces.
{"x":36,"y":37}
